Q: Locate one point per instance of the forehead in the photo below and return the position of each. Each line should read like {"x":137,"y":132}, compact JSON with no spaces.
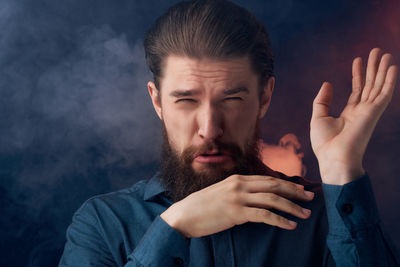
{"x":188,"y":71}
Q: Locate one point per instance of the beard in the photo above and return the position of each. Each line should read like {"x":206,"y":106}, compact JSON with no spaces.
{"x":180,"y":179}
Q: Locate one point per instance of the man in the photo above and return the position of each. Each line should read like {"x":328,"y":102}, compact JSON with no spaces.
{"x":214,"y":202}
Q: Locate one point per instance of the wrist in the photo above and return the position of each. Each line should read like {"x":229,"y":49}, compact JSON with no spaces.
{"x":339,"y":174}
{"x":172,"y":218}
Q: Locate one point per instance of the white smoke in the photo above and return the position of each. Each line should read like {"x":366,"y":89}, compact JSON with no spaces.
{"x":102,"y":89}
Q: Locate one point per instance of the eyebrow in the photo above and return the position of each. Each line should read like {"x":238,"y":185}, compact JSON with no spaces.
{"x":185,"y":92}
{"x":236,"y":90}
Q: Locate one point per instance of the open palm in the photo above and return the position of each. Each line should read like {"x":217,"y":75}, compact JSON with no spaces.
{"x":341,"y":142}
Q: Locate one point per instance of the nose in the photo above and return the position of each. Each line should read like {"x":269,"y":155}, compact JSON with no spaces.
{"x":210,"y":123}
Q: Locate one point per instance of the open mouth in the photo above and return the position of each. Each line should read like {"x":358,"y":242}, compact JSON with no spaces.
{"x":213,"y":157}
{"x":215,"y":154}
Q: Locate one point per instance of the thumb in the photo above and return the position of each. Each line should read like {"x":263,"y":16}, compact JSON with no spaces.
{"x":322,"y":101}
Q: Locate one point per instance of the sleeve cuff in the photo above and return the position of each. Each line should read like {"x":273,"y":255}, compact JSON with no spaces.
{"x":162,"y":245}
{"x":351,"y":207}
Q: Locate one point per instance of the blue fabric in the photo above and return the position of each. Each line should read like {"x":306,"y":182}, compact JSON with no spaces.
{"x":124,"y":229}
{"x":356,"y":233}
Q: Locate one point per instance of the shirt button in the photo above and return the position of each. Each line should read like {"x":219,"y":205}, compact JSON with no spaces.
{"x":178,"y":261}
{"x":347,"y":208}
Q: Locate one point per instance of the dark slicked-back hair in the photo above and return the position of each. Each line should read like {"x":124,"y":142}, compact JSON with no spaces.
{"x":216,"y":29}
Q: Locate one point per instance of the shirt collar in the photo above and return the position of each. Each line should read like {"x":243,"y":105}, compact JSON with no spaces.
{"x":154,"y":187}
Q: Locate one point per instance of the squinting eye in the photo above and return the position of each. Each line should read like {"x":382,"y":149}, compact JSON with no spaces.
{"x":234,"y":98}
{"x":185,"y":100}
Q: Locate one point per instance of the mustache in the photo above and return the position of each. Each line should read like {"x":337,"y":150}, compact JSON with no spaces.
{"x":222,"y":147}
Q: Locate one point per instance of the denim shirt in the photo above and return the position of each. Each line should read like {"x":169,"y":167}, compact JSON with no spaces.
{"x":124,"y":228}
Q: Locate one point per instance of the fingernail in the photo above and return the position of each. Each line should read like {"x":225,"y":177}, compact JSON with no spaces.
{"x":309,"y":193}
{"x":306,"y":211}
{"x":292,"y":223}
{"x":299,"y":186}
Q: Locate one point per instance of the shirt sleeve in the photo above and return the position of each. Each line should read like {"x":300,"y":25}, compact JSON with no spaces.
{"x":161,"y":245}
{"x":356,"y":234}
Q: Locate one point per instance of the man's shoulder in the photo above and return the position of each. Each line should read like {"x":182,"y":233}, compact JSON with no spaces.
{"x":136,"y":191}
{"x":117,"y":201}
{"x":115,"y":218}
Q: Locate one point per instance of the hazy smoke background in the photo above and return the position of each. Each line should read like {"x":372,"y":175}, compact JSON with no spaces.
{"x":75,"y":118}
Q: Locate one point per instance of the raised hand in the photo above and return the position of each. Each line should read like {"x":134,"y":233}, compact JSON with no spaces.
{"x":236,"y":200}
{"x":340,"y":143}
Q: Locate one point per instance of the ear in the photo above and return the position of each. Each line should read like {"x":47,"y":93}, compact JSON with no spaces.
{"x":266,"y":96}
{"x":155,"y":98}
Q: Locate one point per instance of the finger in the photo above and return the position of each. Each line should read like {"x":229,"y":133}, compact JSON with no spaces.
{"x":268,"y":217}
{"x":280,"y":187}
{"x":388,"y":87}
{"x":274,"y":201}
{"x":266,"y":177}
{"x":357,"y":81}
{"x":322,"y":101}
{"x":372,"y":67}
{"x":380,"y":76}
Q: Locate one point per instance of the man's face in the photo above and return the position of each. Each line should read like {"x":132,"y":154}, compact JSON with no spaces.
{"x":210,"y":109}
